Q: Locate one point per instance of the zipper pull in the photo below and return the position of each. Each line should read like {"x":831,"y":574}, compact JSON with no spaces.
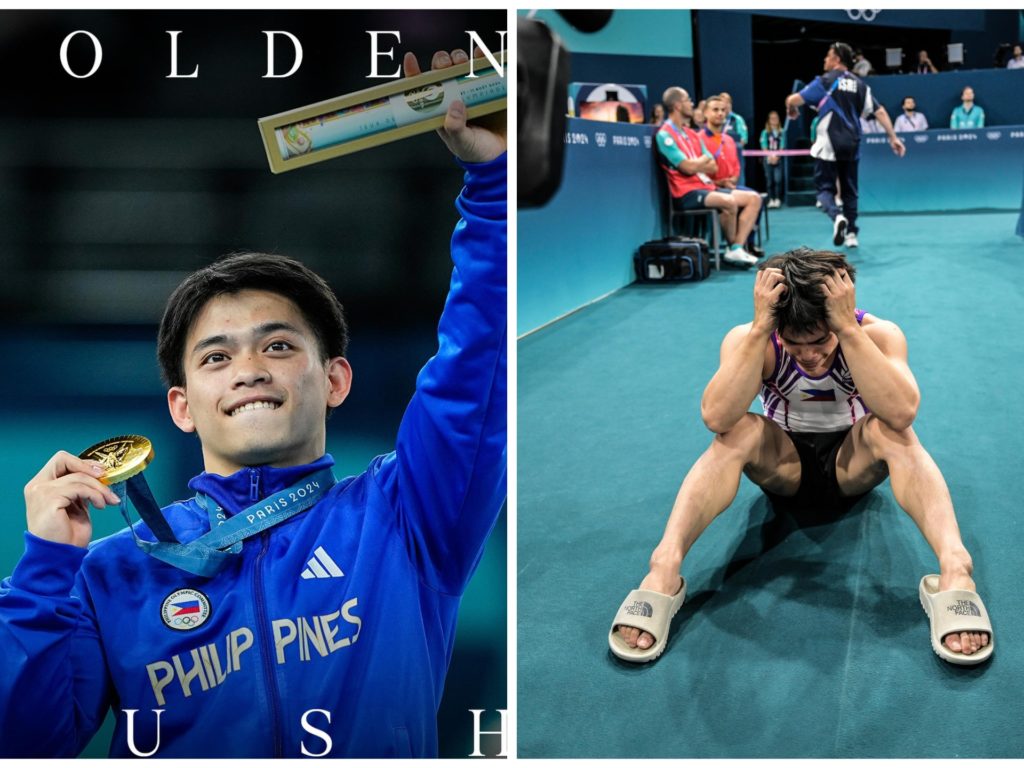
{"x":254,"y":484}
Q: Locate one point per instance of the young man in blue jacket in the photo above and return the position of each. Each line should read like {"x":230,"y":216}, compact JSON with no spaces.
{"x":322,"y":633}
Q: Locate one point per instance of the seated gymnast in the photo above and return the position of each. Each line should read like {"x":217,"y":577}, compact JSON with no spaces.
{"x":838,"y":402}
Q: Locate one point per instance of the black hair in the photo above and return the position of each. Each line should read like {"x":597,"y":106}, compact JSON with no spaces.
{"x":801,"y":308}
{"x":844,"y":52}
{"x":249,"y":271}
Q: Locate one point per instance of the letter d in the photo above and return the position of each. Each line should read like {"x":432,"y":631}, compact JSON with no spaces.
{"x":131,"y":732}
{"x":270,"y":53}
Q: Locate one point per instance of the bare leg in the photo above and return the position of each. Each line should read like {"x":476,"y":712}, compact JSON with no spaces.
{"x":750,"y":209}
{"x":872,"y":449}
{"x":756,"y":446}
{"x":728,"y":211}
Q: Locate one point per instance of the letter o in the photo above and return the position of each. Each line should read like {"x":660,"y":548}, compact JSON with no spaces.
{"x":96,"y":46}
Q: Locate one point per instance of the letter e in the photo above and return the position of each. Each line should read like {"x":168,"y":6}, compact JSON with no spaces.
{"x":375,"y":53}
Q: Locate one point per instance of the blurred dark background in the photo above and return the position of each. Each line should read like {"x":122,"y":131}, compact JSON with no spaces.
{"x":112,"y":188}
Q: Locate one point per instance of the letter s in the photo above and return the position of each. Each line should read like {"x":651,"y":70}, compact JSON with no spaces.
{"x":316,"y":732}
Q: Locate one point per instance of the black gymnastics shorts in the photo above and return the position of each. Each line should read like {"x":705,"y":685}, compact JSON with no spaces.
{"x":818,"y":494}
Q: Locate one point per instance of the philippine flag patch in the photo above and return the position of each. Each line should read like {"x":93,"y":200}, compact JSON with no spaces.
{"x":185,"y":609}
{"x":818,"y":395}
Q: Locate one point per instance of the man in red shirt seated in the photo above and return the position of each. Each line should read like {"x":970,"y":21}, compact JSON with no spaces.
{"x":690,"y":168}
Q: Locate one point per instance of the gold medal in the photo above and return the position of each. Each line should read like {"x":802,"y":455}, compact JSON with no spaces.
{"x":122,"y":457}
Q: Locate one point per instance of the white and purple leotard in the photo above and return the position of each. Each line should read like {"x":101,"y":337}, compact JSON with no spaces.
{"x":798,"y":402}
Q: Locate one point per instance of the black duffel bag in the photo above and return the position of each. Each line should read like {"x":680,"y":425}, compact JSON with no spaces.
{"x":672,"y":259}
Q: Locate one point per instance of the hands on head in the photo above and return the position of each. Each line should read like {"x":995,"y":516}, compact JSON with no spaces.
{"x":840,"y":301}
{"x":478,"y":142}
{"x":769,"y":285}
{"x":837,"y":288}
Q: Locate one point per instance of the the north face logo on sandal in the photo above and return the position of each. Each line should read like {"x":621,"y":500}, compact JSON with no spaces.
{"x":640,"y":608}
{"x":964,"y":608}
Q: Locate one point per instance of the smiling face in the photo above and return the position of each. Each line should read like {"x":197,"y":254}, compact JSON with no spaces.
{"x":813,"y":351}
{"x":256,"y":385}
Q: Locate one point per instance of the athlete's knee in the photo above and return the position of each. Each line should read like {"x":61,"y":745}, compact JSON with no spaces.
{"x":884,"y":438}
{"x":744,"y":437}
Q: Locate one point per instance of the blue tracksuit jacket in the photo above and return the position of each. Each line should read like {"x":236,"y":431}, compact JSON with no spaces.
{"x":281,"y":632}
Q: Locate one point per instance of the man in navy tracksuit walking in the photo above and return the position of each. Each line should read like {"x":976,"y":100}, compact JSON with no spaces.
{"x":325,"y":627}
{"x":841,"y":99}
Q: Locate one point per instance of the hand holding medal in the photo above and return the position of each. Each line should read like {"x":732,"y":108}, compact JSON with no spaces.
{"x":57,"y":499}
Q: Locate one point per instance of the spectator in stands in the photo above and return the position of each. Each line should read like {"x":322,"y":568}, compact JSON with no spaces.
{"x":924,"y":64}
{"x":689,"y":166}
{"x":968,"y":114}
{"x":657,"y":114}
{"x":735,"y":125}
{"x":720,"y":144}
{"x":773,"y":139}
{"x":1017,"y":60}
{"x":910,"y":120}
{"x":861,"y":66}
{"x":698,"y":119}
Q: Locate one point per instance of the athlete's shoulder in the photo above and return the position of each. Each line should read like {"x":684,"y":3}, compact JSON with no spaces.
{"x":735,"y":337}
{"x":886,"y":334}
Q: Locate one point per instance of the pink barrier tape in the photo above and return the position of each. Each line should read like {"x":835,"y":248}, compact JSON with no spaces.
{"x":779,"y":152}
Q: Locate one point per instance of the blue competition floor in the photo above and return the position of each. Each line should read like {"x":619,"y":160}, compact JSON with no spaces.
{"x":810,"y":644}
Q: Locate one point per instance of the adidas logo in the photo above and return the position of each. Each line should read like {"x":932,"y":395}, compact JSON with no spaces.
{"x":640,"y":608}
{"x":321,"y":566}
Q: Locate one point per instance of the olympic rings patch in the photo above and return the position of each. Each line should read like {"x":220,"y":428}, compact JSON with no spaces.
{"x":185,"y":609}
{"x":857,"y":15}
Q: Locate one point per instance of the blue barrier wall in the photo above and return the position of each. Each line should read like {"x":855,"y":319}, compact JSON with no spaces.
{"x":1000,"y":92}
{"x":943,"y":171}
{"x":580,"y":245}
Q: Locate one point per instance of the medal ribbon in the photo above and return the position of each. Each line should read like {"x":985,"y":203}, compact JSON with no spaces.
{"x":213,"y":550}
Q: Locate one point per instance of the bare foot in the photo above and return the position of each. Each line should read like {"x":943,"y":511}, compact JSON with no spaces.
{"x":962,"y":642}
{"x":667,"y":584}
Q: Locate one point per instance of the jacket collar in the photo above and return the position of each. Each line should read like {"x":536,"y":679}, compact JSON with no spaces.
{"x":248,"y":485}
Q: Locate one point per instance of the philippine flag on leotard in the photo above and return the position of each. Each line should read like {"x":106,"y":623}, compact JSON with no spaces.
{"x":818,"y":395}
{"x":185,"y":606}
